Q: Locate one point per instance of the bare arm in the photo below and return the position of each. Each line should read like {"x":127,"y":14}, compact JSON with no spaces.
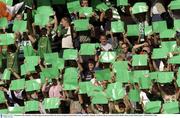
{"x":15,"y":74}
{"x":102,"y":15}
{"x":32,"y":39}
{"x":155,"y":66}
{"x":44,"y":85}
{"x":79,"y":65}
{"x":40,"y":65}
{"x":55,"y":23}
{"x":140,"y":45}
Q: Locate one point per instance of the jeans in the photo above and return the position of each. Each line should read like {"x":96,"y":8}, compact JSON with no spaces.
{"x":156,"y":17}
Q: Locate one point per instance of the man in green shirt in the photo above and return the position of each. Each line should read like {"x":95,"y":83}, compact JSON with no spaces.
{"x":44,"y":45}
{"x":12,"y":58}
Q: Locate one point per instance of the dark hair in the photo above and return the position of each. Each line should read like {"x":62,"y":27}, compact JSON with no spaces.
{"x":91,"y":61}
{"x":25,"y":36}
{"x":54,"y":81}
{"x":83,"y":0}
{"x":102,"y":35}
{"x":109,"y":13}
{"x":43,"y":31}
{"x":12,"y":48}
{"x":122,"y":105}
{"x":67,"y":19}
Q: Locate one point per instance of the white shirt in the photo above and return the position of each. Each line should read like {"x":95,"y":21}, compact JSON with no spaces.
{"x":18,"y":94}
{"x":144,"y":97}
{"x":106,"y":47}
{"x":154,"y":10}
{"x":161,"y":66}
{"x":67,"y":40}
{"x":24,"y":43}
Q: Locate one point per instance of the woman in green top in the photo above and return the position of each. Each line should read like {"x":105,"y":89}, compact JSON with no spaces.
{"x":44,"y":45}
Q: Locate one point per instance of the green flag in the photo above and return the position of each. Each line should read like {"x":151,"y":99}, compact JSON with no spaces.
{"x":34,"y":60}
{"x":168,"y":33}
{"x":51,"y":103}
{"x":120,"y":65}
{"x":3,"y":99}
{"x":58,"y":64}
{"x":169,"y":46}
{"x":41,"y":20}
{"x":165,"y":77}
{"x":148,"y":30}
{"x":70,"y":54}
{"x":81,"y":25}
{"x":107,"y":57}
{"x":177,"y":25}
{"x":84,"y":87}
{"x":134,"y":95}
{"x":28,"y":51}
{"x":6,"y":75}
{"x":73,"y":6}
{"x":122,"y":2}
{"x":3,"y":23}
{"x":117,"y":26}
{"x":7,"y":39}
{"x":139,"y":7}
{"x":102,"y":6}
{"x":45,"y":10}
{"x":32,"y":85}
{"x":133,"y":30}
{"x":20,"y":26}
{"x":87,"y":49}
{"x":145,"y":83}
{"x":174,"y":5}
{"x":27,"y":67}
{"x":171,"y":107}
{"x":43,"y":77}
{"x":51,"y":57}
{"x":123,"y":76}
{"x":121,"y":70}
{"x":70,"y":79}
{"x":152,"y":107}
{"x":16,"y":110}
{"x":92,"y":90}
{"x":135,"y":76}
{"x":103,"y":74}
{"x":31,"y":106}
{"x":153,"y":75}
{"x":174,"y":60}
{"x":99,"y":98}
{"x":159,"y":53}
{"x":51,"y":73}
{"x":87,"y":11}
{"x":115,"y":91}
{"x":8,"y":2}
{"x":159,"y":26}
{"x":18,"y":84}
{"x":139,"y":60}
